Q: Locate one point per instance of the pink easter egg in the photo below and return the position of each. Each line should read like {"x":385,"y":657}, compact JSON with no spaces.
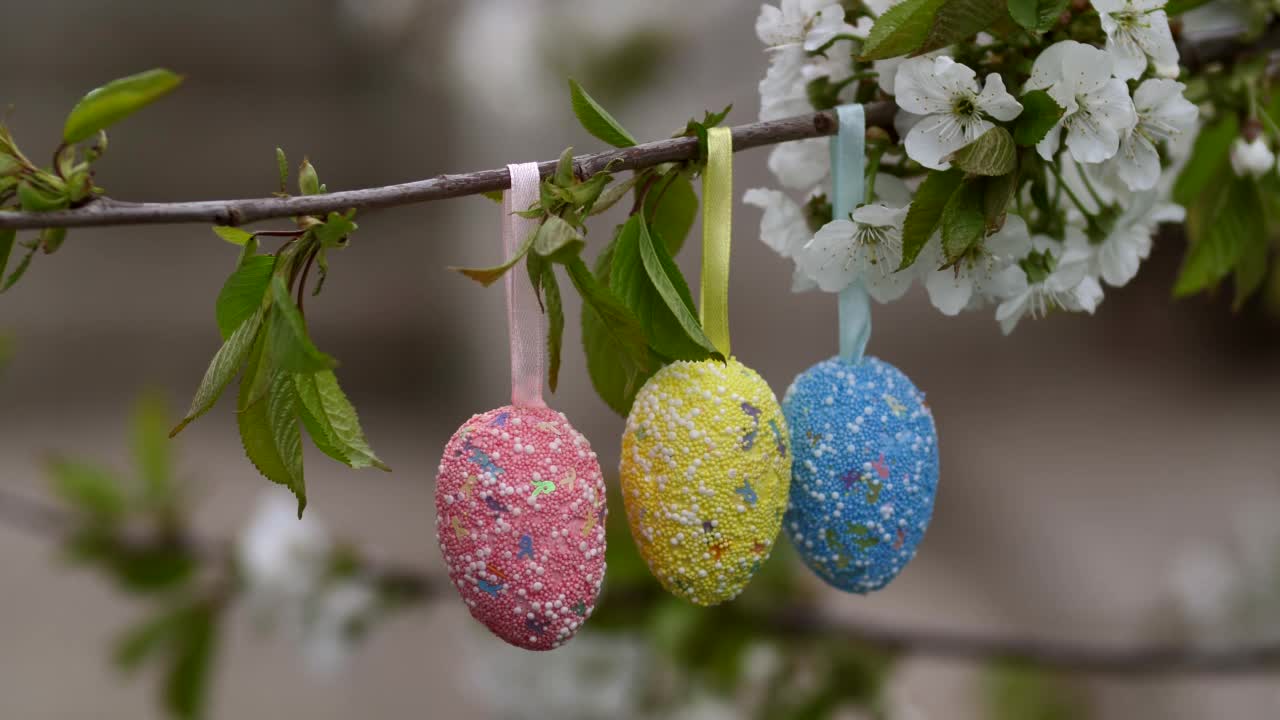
{"x":520,"y":511}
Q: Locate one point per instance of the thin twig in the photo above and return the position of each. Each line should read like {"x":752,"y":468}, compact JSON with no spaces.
{"x":1208,"y":48}
{"x":43,"y":520}
{"x":108,"y":211}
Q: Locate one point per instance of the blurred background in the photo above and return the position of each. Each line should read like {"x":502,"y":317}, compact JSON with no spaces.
{"x":1107,"y":479}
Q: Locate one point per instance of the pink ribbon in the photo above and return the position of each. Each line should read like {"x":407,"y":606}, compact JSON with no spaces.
{"x":524,"y":318}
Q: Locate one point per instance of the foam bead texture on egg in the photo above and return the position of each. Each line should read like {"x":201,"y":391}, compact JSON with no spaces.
{"x":705,"y":471}
{"x":864,"y":473}
{"x":520,"y":516}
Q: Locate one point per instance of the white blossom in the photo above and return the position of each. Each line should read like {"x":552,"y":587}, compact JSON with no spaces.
{"x":1097,"y":110}
{"x":1117,"y":257}
{"x":1137,"y":30}
{"x":782,"y":91}
{"x":866,"y":248}
{"x":955,"y":107}
{"x":991,"y":271}
{"x":1251,"y":158}
{"x":338,"y":618}
{"x":809,"y":24}
{"x":783,"y":228}
{"x":598,"y":675}
{"x":802,"y":164}
{"x":1062,"y":281}
{"x":283,"y":557}
{"x":1163,"y":115}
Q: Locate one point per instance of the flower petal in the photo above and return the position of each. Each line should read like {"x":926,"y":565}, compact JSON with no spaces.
{"x":949,"y":291}
{"x":830,"y":257}
{"x":936,"y":137}
{"x":996,"y":101}
{"x":782,"y":226}
{"x":802,"y":164}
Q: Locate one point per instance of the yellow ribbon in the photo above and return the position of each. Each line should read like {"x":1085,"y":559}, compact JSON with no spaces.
{"x":717,"y":216}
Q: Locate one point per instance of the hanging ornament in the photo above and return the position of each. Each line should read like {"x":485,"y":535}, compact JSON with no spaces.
{"x":705,"y":461}
{"x":520,"y":500}
{"x":865,"y":466}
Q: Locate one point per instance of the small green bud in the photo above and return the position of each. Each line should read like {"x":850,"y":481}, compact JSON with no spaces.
{"x":51,"y":239}
{"x":308,"y":180}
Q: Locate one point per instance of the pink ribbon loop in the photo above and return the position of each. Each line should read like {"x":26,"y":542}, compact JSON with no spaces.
{"x":525,"y":323}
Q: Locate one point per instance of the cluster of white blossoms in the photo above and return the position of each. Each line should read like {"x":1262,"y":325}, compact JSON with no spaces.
{"x":1108,"y":162}
{"x":287,"y":565}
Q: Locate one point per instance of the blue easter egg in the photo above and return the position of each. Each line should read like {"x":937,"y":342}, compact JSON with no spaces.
{"x":864,"y":471}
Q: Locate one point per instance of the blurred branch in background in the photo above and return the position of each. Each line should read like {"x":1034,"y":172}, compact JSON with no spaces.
{"x":410,"y":586}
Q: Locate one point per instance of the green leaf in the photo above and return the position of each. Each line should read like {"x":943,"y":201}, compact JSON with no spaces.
{"x":920,"y":26}
{"x":663,"y":306}
{"x":1251,"y":270}
{"x":150,"y":569}
{"x":21,"y":270}
{"x":1209,"y":155}
{"x":554,"y":235}
{"x":564,"y":176}
{"x":186,"y":683}
{"x":336,"y":229}
{"x":233,"y":235}
{"x":1037,"y":15}
{"x":550,"y":288}
{"x":331,"y":420}
{"x":612,"y":194}
{"x":289,"y":347}
{"x":993,"y":153}
{"x":1017,"y":692}
{"x":926,"y":212}
{"x":964,"y":221}
{"x":222,"y":369}
{"x":997,"y":192}
{"x":1227,"y":220}
{"x":6,"y":247}
{"x":243,"y":293}
{"x":685,"y":340}
{"x":618,"y":356}
{"x":116,"y":100}
{"x":146,"y":638}
{"x":88,"y":488}
{"x":490,"y":275}
{"x":1177,"y":7}
{"x":1040,"y":113}
{"x":268,"y":424}
{"x":52,"y":238}
{"x":596,"y":120}
{"x":671,"y":206}
{"x":152,"y":450}
{"x":282,"y":170}
{"x":36,"y":197}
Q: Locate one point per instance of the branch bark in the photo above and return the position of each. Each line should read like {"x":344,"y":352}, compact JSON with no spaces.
{"x":108,"y":211}
{"x":41,"y":520}
{"x":1209,"y":48}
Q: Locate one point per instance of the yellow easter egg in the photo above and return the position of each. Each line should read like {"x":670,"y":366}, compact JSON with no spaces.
{"x":706,"y":470}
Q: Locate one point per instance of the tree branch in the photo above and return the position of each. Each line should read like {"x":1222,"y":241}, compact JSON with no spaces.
{"x":107,"y":211}
{"x":1209,"y":48}
{"x":41,"y":519}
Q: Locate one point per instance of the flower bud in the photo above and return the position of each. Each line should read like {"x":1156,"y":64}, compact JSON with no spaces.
{"x":1251,"y":158}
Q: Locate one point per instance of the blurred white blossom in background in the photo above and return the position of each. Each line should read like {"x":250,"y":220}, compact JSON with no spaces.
{"x":287,"y":565}
{"x":510,"y":58}
{"x":1229,"y":592}
{"x":596,"y":676}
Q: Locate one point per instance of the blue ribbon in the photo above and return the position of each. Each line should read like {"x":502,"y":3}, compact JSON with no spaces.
{"x":848,"y":186}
